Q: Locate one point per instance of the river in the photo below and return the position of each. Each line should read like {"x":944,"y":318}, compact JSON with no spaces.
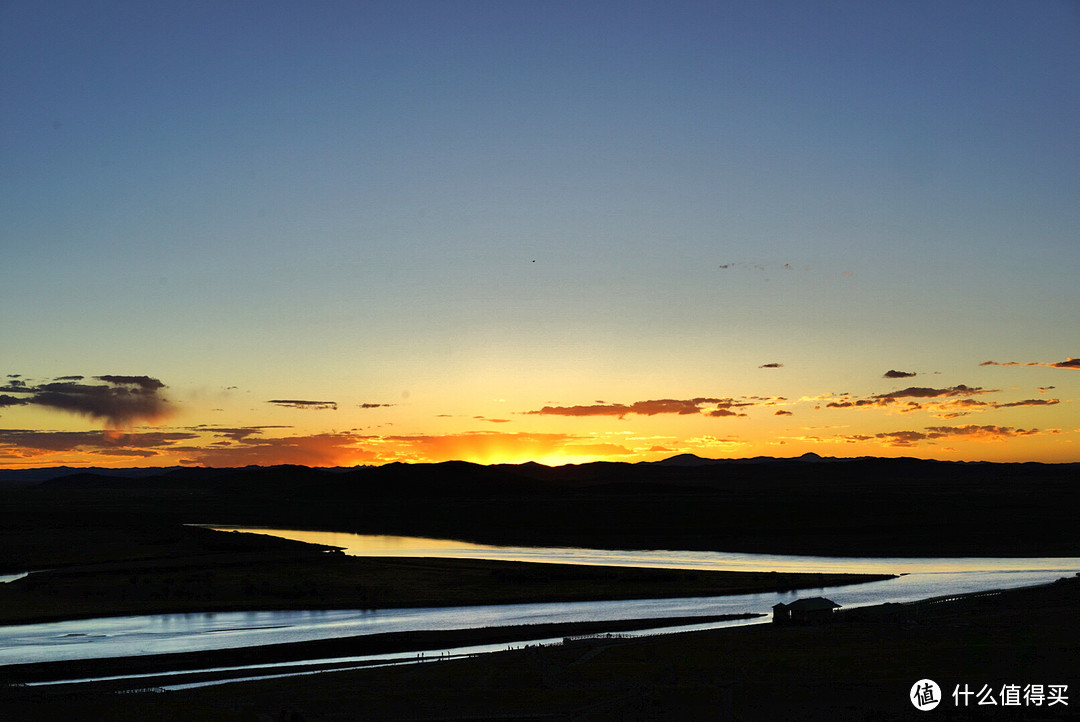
{"x":165,"y":633}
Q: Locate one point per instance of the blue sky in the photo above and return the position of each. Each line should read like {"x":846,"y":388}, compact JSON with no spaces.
{"x":473,"y":210}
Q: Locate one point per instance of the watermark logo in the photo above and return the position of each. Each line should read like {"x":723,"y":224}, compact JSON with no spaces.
{"x":925,"y":695}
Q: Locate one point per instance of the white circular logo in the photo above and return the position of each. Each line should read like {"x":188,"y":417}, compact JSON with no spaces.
{"x":925,"y":695}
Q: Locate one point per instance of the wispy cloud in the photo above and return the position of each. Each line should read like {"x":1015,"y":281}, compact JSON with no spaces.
{"x":893,"y":398}
{"x":772,"y":365}
{"x":702,"y":405}
{"x":1028,"y":402}
{"x":924,"y":392}
{"x":931,"y":434}
{"x":331,"y":449}
{"x":303,"y":404}
{"x":26,"y":443}
{"x":1069,"y":363}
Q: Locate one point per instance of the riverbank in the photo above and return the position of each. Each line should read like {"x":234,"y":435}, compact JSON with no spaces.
{"x":200,"y":570}
{"x":417,"y":643}
{"x":860,"y":668}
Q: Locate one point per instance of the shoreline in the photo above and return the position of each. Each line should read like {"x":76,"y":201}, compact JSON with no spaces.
{"x":318,"y":651}
{"x":866,"y":663}
{"x":255,"y":580}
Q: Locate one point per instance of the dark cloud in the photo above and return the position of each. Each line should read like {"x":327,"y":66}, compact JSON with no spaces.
{"x":894,"y":374}
{"x":141,"y":453}
{"x":1070,"y":363}
{"x":143,"y":382}
{"x":374,"y":406}
{"x":851,"y":403}
{"x":301,"y":404}
{"x":781,"y":412}
{"x":119,"y":401}
{"x":772,"y":365}
{"x":990,"y":431}
{"x":719,"y":407}
{"x":1029,"y":402}
{"x":6,"y":400}
{"x":26,"y":442}
{"x":926,"y":393}
{"x":235,"y":433}
{"x":933,"y":433}
{"x":918,"y":392}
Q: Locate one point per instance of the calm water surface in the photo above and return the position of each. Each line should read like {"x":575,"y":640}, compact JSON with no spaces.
{"x":157,"y":634}
{"x":387,"y":546}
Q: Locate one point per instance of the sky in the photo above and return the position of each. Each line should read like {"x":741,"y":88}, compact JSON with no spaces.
{"x":339,"y":233}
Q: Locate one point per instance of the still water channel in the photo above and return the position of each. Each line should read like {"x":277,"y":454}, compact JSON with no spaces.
{"x":165,"y":633}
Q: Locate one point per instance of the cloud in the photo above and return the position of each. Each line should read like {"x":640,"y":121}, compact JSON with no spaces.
{"x":721,"y":411}
{"x":6,"y":400}
{"x":374,"y":406}
{"x":682,"y":407}
{"x":1029,"y":402}
{"x":144,"y":382}
{"x":781,"y":412}
{"x":772,"y":365}
{"x":989,"y":432}
{"x":332,"y":449}
{"x":845,"y":401}
{"x":923,"y":392}
{"x":1070,"y":363}
{"x":235,"y":433}
{"x":25,"y":443}
{"x":931,"y":434}
{"x":120,"y":401}
{"x":302,"y":404}
{"x":894,"y":374}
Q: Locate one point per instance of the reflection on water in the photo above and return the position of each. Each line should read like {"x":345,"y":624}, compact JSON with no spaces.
{"x":371,"y":545}
{"x":159,"y":634}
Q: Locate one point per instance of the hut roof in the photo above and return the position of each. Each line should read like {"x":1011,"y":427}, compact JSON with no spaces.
{"x":813,"y":604}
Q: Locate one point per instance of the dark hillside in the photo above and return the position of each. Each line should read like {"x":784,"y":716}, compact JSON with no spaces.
{"x":857,"y":507}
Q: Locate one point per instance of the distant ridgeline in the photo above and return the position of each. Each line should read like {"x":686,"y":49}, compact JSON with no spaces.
{"x":807,"y":505}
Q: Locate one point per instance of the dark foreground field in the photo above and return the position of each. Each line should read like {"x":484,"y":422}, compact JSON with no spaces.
{"x":859,"y":668}
{"x":116,"y":545}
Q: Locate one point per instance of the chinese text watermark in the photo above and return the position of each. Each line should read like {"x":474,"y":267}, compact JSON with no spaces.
{"x":925,"y":695}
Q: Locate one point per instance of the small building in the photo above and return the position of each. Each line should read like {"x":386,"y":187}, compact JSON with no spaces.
{"x":814,"y":610}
